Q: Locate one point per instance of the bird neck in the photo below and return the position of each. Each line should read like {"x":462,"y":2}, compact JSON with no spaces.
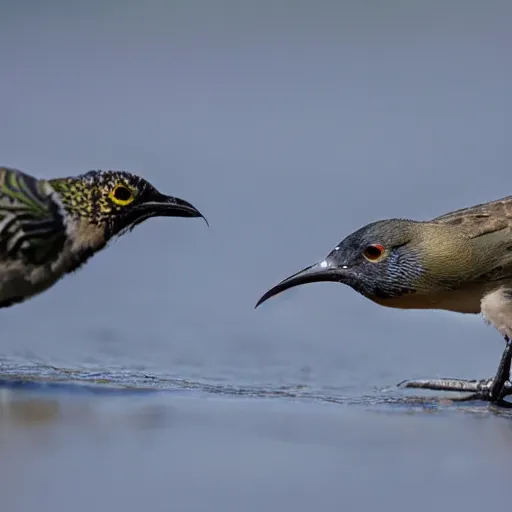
{"x":77,"y":197}
{"x":84,"y":240}
{"x":86,"y":235}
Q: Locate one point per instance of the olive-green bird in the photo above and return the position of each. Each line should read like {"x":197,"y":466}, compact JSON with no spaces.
{"x":49,"y":228}
{"x":460,"y":261}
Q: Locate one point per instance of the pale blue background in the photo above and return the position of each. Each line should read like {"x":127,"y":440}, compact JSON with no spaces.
{"x":288,"y":124}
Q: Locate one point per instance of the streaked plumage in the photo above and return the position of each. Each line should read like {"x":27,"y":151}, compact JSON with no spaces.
{"x":49,"y":228}
{"x":460,"y":261}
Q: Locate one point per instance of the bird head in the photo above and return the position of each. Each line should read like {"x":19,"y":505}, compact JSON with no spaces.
{"x":384,"y":260}
{"x":116,"y":200}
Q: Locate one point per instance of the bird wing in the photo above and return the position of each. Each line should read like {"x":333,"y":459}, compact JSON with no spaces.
{"x":481,"y":219}
{"x":32,"y":227}
{"x":489,"y":226}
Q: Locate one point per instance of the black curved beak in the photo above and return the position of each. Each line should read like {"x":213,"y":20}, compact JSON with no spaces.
{"x":323,"y":271}
{"x":168,"y":206}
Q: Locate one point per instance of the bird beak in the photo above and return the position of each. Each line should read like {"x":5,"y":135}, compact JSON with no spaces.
{"x":322,"y":271}
{"x":170,"y":206}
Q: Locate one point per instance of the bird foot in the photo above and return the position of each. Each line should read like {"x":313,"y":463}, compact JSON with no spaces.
{"x":490,"y":390}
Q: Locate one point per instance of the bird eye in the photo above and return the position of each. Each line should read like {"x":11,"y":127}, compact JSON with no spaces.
{"x":121,"y":195}
{"x":373,"y":252}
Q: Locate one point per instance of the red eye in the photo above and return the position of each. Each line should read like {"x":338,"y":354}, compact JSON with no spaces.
{"x":373,"y":252}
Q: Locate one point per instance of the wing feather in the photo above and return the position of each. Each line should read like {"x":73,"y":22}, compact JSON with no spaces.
{"x":32,"y":227}
{"x":481,"y":219}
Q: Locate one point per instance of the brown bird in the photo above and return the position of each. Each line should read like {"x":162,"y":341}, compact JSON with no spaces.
{"x":460,"y":261}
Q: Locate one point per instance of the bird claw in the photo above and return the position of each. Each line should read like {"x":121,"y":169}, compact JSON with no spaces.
{"x":490,"y":390}
{"x":484,"y":389}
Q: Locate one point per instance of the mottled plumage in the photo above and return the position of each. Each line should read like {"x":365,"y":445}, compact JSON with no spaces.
{"x":49,"y":228}
{"x":460,"y":261}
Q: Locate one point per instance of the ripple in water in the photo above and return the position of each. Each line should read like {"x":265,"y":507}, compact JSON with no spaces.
{"x":43,"y":378}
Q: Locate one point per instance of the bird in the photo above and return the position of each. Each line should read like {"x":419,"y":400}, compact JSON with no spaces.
{"x":460,"y":261}
{"x":51,"y":227}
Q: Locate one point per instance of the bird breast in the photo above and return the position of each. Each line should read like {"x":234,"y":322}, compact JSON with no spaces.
{"x":20,"y":280}
{"x":497,"y":309}
{"x":464,"y":300}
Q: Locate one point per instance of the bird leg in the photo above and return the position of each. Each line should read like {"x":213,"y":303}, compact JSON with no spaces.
{"x":492,"y":390}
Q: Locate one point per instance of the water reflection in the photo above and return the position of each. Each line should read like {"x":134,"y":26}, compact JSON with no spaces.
{"x":27,"y":411}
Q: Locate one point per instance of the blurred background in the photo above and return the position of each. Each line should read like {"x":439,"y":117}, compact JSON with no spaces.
{"x":289,"y":125}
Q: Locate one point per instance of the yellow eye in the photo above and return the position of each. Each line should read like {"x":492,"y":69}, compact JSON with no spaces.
{"x":121,"y":195}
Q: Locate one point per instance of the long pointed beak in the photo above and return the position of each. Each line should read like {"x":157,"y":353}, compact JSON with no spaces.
{"x":313,"y":274}
{"x":175,"y":207}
